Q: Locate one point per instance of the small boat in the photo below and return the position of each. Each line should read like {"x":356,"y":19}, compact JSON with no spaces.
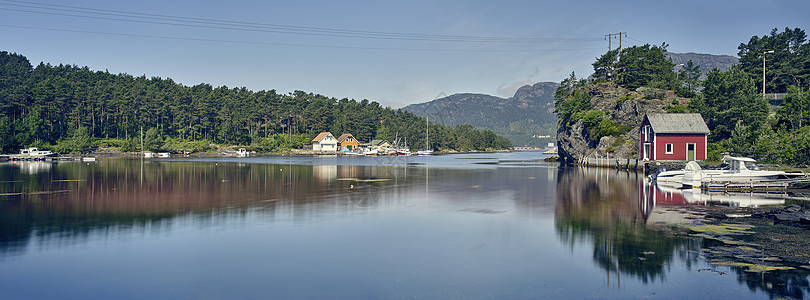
{"x":164,"y":154}
{"x":148,"y":154}
{"x":676,"y":176}
{"x":428,"y":151}
{"x":740,"y":170}
{"x":346,"y":151}
{"x":242,"y":152}
{"x":32,"y":153}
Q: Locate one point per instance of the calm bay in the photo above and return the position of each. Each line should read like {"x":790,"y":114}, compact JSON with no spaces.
{"x":466,"y":226}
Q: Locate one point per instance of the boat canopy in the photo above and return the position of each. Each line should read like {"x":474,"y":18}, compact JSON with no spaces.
{"x":728,"y":158}
{"x":692,"y":166}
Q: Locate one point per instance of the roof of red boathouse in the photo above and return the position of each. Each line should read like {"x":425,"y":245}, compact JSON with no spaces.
{"x":677,"y":123}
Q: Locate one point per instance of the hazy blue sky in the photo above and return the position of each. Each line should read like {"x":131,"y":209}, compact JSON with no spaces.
{"x":392,"y":52}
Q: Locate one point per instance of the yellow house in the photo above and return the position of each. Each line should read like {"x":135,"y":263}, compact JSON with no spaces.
{"x":347,"y":141}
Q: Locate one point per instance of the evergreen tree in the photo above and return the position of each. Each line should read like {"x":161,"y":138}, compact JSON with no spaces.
{"x":789,"y":64}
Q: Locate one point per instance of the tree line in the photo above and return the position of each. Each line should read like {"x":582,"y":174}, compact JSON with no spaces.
{"x":741,"y":119}
{"x":74,"y":109}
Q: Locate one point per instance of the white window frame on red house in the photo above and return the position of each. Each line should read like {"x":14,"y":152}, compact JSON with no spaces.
{"x":669,"y":149}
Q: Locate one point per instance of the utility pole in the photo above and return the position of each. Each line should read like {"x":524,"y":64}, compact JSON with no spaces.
{"x":610,"y":36}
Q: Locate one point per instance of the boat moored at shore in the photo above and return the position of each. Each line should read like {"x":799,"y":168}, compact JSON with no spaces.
{"x":31,"y":153}
{"x":741,"y":170}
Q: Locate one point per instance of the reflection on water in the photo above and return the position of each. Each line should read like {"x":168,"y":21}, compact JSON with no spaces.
{"x":616,"y":212}
{"x":466,"y":226}
{"x":601,"y":207}
{"x":72,"y":199}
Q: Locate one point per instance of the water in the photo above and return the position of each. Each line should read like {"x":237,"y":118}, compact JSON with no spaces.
{"x":477,"y":226}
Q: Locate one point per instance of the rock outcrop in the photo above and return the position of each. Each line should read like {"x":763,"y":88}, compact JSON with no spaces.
{"x":623,"y":107}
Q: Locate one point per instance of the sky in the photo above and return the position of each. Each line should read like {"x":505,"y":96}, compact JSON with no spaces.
{"x":392,"y":52}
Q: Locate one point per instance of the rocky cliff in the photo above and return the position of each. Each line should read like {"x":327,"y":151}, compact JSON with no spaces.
{"x":623,"y":107}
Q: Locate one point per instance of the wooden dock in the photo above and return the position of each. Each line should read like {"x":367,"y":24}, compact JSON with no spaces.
{"x":615,"y":163}
{"x":746,"y":186}
{"x":777,"y":185}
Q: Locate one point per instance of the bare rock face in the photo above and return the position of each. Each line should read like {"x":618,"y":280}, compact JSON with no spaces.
{"x":573,"y":142}
{"x":623,"y":107}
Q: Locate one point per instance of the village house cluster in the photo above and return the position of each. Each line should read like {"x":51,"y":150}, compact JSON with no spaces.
{"x":347,"y":144}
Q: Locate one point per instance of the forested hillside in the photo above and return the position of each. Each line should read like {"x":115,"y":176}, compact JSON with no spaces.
{"x":73,"y":109}
{"x":731,"y":102}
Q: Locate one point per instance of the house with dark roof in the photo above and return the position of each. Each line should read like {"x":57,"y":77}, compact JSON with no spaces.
{"x":380,"y":145}
{"x":325,"y":141}
{"x":673,"y":137}
{"x":348,"y":142}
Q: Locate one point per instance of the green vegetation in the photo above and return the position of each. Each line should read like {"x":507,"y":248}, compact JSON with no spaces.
{"x":731,"y":102}
{"x":73,"y":109}
{"x":520,"y":118}
{"x":598,"y":124}
{"x":573,"y":103}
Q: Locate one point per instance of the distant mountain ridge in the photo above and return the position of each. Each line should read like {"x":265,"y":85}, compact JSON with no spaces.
{"x":707,"y":62}
{"x":528,"y":113}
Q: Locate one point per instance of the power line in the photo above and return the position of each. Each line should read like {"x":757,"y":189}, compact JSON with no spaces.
{"x":609,"y":37}
{"x":286,"y":44}
{"x":159,"y":19}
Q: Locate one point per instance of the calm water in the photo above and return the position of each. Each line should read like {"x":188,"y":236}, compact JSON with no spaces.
{"x":478,"y":226}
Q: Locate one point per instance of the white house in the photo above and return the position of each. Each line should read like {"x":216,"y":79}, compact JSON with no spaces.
{"x":325,"y":141}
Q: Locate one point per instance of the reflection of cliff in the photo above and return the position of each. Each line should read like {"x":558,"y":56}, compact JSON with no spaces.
{"x":601,"y":206}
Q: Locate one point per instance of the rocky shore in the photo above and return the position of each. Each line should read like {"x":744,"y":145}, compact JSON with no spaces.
{"x":758,"y":239}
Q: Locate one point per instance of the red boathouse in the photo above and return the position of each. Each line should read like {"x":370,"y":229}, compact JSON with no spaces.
{"x":673,"y":137}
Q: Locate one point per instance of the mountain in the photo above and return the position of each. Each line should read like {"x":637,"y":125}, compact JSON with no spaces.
{"x":707,"y":62}
{"x":530,"y":112}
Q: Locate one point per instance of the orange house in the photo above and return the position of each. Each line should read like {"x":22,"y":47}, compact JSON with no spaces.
{"x":347,"y":141}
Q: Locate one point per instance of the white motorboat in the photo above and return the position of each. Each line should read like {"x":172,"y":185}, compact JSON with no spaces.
{"x":676,"y":176}
{"x":32,"y":153}
{"x":741,"y":170}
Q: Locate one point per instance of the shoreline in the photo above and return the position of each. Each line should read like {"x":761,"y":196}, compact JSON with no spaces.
{"x":294,"y":152}
{"x":759,"y":239}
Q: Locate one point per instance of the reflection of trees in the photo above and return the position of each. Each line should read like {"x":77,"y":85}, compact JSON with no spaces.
{"x":601,"y":206}
{"x":779,"y":284}
{"x":73,"y":199}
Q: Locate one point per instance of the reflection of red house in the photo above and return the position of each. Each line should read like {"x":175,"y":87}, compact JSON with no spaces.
{"x":673,"y":137}
{"x":652,"y":195}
